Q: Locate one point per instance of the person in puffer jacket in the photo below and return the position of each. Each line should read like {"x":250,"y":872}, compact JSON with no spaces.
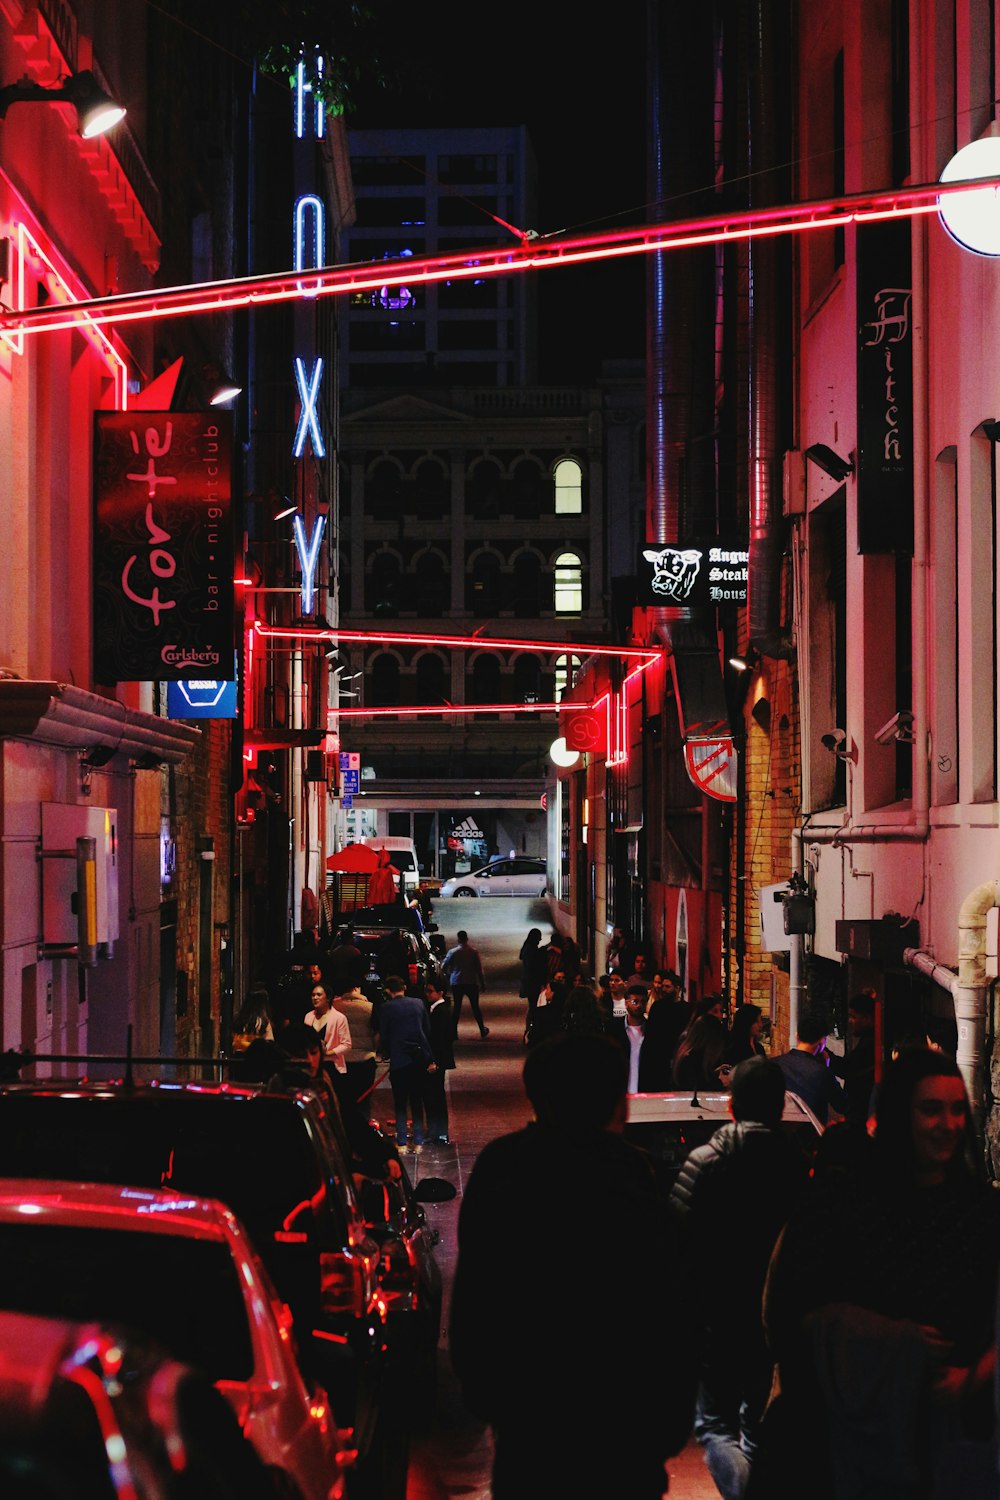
{"x":731,"y":1200}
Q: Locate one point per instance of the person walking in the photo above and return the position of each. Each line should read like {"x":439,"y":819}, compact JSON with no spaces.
{"x":442,"y":1034}
{"x":404,"y":1037}
{"x":463,"y":969}
{"x":745,"y":1180}
{"x":537,"y":1340}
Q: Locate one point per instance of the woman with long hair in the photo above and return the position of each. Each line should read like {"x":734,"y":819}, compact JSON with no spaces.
{"x":534,"y":971}
{"x":881,"y":1298}
{"x":744,"y":1035}
{"x":701,"y":1048}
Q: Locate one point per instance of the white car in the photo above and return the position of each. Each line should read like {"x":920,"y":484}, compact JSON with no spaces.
{"x":669,"y":1126}
{"x":503,"y":877}
{"x":182,"y":1270}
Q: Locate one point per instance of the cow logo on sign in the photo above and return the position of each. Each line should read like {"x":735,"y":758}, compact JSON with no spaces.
{"x":711,"y":765}
{"x":675,"y":571}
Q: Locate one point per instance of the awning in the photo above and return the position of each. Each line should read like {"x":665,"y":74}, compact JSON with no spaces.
{"x":57,"y":713}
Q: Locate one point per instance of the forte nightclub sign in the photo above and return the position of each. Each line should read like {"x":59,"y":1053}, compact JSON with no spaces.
{"x":163,"y":546}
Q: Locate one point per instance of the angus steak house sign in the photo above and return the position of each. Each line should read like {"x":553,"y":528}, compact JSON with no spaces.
{"x":163,"y":546}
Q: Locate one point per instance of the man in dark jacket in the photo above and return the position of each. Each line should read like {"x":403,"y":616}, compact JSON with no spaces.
{"x":404,"y":1037}
{"x":538,"y":1337}
{"x":442,"y":1030}
{"x":731,"y":1200}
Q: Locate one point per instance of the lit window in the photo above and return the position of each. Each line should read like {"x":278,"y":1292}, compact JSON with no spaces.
{"x":566,"y":669}
{"x":568,"y":591}
{"x":569,"y":488}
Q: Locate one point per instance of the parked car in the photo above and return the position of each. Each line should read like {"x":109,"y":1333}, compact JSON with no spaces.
{"x":397,"y":950}
{"x":99,"y":1412}
{"x":401,"y":916}
{"x":274,"y":1160}
{"x":670,"y":1125}
{"x":504,"y":877}
{"x":182,"y":1270}
{"x":410,"y":1276}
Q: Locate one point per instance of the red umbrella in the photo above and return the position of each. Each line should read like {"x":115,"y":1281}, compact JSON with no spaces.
{"x":354,"y":859}
{"x":381,"y":886}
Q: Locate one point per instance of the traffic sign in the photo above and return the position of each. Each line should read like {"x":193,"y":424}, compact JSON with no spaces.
{"x":347,"y":802}
{"x":350,"y":760}
{"x":350,"y":781}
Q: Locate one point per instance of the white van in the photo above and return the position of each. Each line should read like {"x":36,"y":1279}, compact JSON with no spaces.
{"x":403,"y":854}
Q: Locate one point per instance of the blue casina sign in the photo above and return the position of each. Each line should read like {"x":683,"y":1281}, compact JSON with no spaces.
{"x":693,"y":574}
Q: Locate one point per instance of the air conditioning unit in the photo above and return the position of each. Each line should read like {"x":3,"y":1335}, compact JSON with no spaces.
{"x":62,"y":825}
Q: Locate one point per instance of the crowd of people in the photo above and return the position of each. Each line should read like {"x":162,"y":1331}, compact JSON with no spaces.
{"x":355,"y":1024}
{"x":842,"y":1344}
{"x":827,"y":1332}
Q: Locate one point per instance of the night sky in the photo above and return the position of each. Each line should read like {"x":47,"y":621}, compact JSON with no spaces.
{"x":580,"y":89}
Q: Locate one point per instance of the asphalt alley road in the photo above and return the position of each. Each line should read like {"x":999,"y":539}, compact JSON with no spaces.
{"x":453,"y":1456}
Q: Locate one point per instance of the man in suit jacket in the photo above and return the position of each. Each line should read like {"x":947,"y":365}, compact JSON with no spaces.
{"x":442,"y":1029}
{"x":404,"y":1037}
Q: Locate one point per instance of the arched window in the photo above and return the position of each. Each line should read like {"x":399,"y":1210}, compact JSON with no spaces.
{"x":569,"y":487}
{"x":528,"y":490}
{"x":566,"y":669}
{"x":568,"y":590}
{"x":483,"y":586}
{"x":382,"y":689}
{"x":382,"y":492}
{"x":430,"y":498}
{"x":527,"y":679}
{"x":430,"y":584}
{"x":382,"y":594}
{"x":483,"y":490}
{"x":484,"y":680}
{"x":527,"y":591}
{"x":432,"y":680}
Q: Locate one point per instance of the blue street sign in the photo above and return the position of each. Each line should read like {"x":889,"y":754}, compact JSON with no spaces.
{"x":350,"y":781}
{"x":347,"y":802}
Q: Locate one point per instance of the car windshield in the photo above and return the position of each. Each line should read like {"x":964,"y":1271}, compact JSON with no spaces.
{"x":254,"y":1154}
{"x":669,"y":1142}
{"x":184,"y":1292}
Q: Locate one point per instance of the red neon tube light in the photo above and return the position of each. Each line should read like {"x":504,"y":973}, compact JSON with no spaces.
{"x":335,"y":635}
{"x":423,"y":710}
{"x":534,"y":255}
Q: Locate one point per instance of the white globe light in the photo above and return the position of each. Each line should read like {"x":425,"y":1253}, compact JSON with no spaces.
{"x":973,"y":219}
{"x":561,"y":753}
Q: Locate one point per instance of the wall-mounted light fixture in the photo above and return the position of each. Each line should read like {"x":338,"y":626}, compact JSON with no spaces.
{"x":220,"y":388}
{"x":288,"y":508}
{"x":96,"y":111}
{"x":831,"y":463}
{"x":746,"y":662}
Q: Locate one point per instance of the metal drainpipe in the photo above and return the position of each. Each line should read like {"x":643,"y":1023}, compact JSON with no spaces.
{"x":969,"y":987}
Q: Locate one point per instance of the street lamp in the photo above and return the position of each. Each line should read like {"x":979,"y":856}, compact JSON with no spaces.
{"x":96,"y":111}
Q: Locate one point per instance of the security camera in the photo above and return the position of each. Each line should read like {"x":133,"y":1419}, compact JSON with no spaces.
{"x":899,"y":727}
{"x":836,"y":741}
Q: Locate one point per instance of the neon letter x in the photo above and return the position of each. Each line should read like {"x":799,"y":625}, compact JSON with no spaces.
{"x":309,"y":391}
